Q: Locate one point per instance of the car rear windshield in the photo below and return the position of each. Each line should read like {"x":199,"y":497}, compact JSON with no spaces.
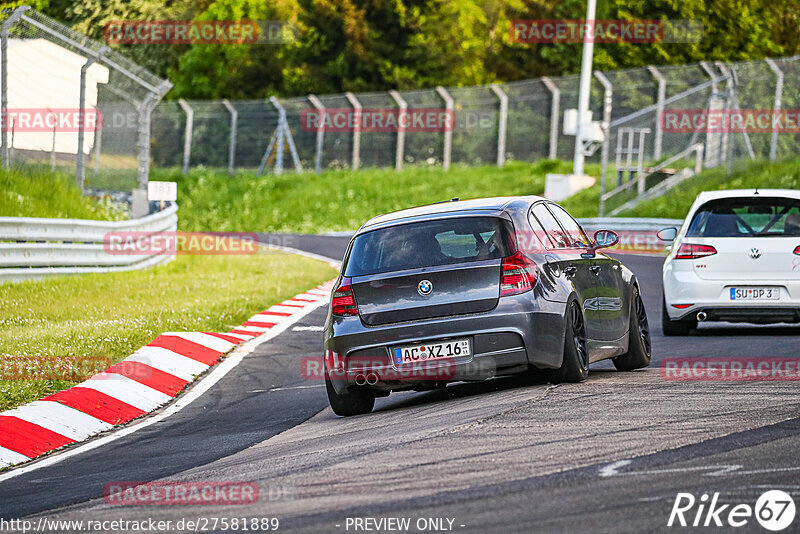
{"x":747,"y":217}
{"x":429,"y":244}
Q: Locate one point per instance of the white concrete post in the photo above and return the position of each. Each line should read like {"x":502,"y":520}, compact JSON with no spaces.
{"x":187,"y":133}
{"x":232,"y":142}
{"x":356,"y":129}
{"x":399,"y":153}
{"x":448,"y":133}
{"x":662,"y":93}
{"x":555,"y":109}
{"x":502,"y":123}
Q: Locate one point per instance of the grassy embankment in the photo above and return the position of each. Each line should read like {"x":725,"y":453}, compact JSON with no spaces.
{"x":59,"y":331}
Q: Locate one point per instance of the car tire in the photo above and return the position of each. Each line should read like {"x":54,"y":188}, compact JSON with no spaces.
{"x":575,"y":363}
{"x":639,"y":345}
{"x":680,"y":327}
{"x":354,"y":402}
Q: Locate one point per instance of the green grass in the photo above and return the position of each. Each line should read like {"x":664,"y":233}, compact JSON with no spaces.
{"x":35,"y":192}
{"x":339,"y":200}
{"x":676,"y":202}
{"x":62,"y":330}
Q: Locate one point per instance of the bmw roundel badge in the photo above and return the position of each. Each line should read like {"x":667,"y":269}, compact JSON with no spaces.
{"x":424,"y":287}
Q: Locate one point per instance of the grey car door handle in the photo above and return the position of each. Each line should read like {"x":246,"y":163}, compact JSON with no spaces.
{"x":571,"y":270}
{"x":595,"y":269}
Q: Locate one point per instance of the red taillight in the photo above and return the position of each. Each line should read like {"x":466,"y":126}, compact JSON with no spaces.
{"x":517,"y":275}
{"x":797,"y":250}
{"x":682,"y":306}
{"x":689,"y":251}
{"x":343,"y":301}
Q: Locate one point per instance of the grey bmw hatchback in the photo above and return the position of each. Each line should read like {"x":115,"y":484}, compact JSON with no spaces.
{"x":470,"y":290}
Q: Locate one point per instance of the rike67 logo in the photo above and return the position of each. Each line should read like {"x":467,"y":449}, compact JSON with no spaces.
{"x":774,"y":510}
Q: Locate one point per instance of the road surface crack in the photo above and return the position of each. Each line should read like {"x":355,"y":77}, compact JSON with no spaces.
{"x":516,"y":408}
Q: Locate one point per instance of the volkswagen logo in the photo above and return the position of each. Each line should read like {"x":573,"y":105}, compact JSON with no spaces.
{"x":754,"y":253}
{"x":424,"y":287}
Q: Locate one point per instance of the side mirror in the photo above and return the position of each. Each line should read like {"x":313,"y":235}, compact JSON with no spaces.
{"x":667,"y":234}
{"x":605,"y":239}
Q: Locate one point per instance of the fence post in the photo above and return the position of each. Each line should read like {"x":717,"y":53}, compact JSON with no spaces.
{"x":399,"y":154}
{"x":608,"y":98}
{"x":98,"y":143}
{"x":714,"y":94}
{"x":726,"y":138}
{"x":776,"y":108}
{"x":284,"y":134}
{"x":662,"y":93}
{"x":10,"y":21}
{"x":555,"y":105}
{"x":13,"y":132}
{"x":187,"y":133}
{"x":53,"y":148}
{"x":502,"y":123}
{"x":698,"y":159}
{"x":733,"y":92}
{"x":448,"y":132}
{"x":79,"y":174}
{"x":317,"y":103}
{"x":145,"y":111}
{"x":232,"y":143}
{"x":356,"y":129}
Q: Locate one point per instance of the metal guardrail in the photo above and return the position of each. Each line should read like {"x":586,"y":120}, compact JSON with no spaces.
{"x":636,"y":234}
{"x":33,"y":247}
{"x":631,"y":224}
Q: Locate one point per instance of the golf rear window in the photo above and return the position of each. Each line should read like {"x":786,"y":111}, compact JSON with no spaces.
{"x":429,"y":244}
{"x":747,"y":217}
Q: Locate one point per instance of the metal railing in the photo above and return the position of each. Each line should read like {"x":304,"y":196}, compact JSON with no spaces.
{"x":493,"y":124}
{"x":33,"y":247}
{"x":96,"y":104}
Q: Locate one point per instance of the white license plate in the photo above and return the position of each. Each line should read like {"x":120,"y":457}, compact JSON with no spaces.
{"x":755,"y":293}
{"x":431,"y":351}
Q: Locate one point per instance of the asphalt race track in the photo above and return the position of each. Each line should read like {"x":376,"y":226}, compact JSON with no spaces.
{"x":607,"y":455}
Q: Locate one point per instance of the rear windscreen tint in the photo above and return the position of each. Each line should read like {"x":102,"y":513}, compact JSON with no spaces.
{"x":429,"y":244}
{"x":747,"y":217}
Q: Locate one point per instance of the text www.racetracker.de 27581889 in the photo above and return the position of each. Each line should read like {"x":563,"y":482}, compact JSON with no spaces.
{"x":194,"y":524}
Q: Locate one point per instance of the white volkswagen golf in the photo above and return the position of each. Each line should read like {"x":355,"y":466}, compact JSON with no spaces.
{"x":736,"y":258}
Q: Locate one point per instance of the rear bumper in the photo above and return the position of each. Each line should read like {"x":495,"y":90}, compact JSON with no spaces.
{"x":713,"y":298}
{"x":747,"y":314}
{"x":521,"y":330}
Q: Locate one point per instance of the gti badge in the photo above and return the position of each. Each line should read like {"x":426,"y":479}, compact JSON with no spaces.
{"x":424,"y":287}
{"x":754,"y":253}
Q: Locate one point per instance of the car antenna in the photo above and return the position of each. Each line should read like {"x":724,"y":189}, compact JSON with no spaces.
{"x":756,"y":191}
{"x":454,"y":199}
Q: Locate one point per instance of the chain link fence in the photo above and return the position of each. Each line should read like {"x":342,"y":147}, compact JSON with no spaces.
{"x":493,"y":124}
{"x":70,"y":103}
{"x":51,"y":74}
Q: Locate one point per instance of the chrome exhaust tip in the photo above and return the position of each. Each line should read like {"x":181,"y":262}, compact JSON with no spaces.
{"x":361,"y":380}
{"x":702,"y":316}
{"x":372,"y":379}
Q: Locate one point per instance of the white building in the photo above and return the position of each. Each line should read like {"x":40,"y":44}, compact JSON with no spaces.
{"x":44,"y":97}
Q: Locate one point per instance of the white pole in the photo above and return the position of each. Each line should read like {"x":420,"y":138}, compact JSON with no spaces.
{"x":586,"y":84}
